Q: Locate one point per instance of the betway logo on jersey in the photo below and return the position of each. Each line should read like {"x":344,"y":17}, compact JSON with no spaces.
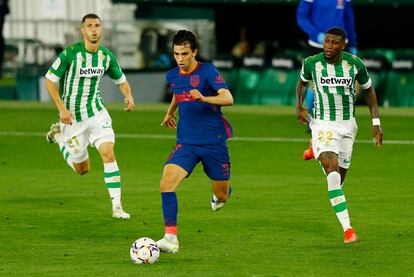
{"x":91,"y":71}
{"x":336,"y":81}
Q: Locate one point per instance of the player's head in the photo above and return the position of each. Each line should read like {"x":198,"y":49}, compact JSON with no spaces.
{"x":335,"y":42}
{"x":185,"y":48}
{"x":91,"y":28}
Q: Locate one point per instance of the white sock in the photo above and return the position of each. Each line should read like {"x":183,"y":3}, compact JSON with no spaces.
{"x":66,"y":154}
{"x":337,"y":198}
{"x":113,"y":183}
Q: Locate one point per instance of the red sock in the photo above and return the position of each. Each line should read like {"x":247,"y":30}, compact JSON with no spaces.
{"x":171,"y":230}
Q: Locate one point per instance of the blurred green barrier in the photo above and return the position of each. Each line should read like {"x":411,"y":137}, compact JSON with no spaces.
{"x":400,"y":83}
{"x":27,"y":87}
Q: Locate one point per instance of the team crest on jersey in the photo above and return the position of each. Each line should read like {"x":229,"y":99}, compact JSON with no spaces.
{"x":102,"y":55}
{"x":194,"y":80}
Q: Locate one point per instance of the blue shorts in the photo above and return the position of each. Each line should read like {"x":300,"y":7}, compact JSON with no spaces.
{"x":214,"y":157}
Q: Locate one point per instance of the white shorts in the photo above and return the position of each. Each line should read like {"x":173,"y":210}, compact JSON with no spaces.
{"x":334,"y":136}
{"x":93,"y":131}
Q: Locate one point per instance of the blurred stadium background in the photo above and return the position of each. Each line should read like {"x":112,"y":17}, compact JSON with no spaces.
{"x":139,"y":33}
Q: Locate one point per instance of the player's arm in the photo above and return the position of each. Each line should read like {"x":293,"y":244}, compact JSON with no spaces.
{"x":169,"y":119}
{"x":53,"y":75}
{"x":303,"y":15}
{"x":64,"y":115}
{"x":301,"y":111}
{"x":371,"y":98}
{"x":125,"y":88}
{"x":349,"y":22}
{"x":223,"y":97}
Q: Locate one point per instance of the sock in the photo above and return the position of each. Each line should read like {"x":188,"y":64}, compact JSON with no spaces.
{"x":66,"y":155}
{"x":170,"y":211}
{"x":113,"y":183}
{"x":337,"y":198}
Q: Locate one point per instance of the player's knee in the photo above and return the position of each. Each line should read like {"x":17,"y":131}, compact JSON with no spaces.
{"x":167,"y":184}
{"x":108,"y":157}
{"x":82,"y":171}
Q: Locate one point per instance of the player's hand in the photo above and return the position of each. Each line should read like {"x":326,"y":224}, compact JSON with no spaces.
{"x":302,"y":114}
{"x":197,"y":95}
{"x":130,"y":104}
{"x":377,"y":135}
{"x":65,"y":116}
{"x":169,"y":121}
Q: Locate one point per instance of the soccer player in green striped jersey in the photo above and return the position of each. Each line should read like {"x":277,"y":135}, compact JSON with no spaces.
{"x":333,"y":74}
{"x":84,"y":119}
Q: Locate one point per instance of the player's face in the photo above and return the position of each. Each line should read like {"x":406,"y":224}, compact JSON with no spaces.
{"x":185,"y":57}
{"x":92,"y":30}
{"x":332,"y":46}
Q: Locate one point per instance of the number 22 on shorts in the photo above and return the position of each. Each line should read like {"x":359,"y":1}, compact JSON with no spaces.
{"x":325,"y":137}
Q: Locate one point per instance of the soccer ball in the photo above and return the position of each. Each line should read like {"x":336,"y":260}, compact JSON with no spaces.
{"x":144,"y":251}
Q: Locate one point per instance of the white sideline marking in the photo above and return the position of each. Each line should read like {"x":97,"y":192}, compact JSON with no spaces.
{"x":252,"y":139}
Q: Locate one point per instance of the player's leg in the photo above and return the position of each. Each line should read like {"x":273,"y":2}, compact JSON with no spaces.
{"x":72,"y":144}
{"x":308,"y":153}
{"x":326,"y":139}
{"x":329,"y":161}
{"x":172,"y":176}
{"x":344,"y":162}
{"x":112,"y":177}
{"x":216,"y":164}
{"x":221,"y":193}
{"x":178,"y":166}
{"x":102,"y":137}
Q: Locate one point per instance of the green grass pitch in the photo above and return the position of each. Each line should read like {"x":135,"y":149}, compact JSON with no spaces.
{"x":278,"y":222}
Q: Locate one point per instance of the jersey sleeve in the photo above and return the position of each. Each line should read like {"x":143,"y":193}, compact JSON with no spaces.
{"x":362,"y":76}
{"x":214,"y":78}
{"x":59,"y":66}
{"x":114,"y":70}
{"x":305,"y":73}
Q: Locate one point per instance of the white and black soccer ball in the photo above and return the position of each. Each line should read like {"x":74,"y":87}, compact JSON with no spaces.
{"x":144,"y":251}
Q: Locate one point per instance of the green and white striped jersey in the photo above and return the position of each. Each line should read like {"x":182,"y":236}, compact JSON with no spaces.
{"x":79,"y":73}
{"x":334,"y":85}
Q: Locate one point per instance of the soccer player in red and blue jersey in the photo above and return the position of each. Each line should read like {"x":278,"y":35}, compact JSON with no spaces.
{"x":198,"y":93}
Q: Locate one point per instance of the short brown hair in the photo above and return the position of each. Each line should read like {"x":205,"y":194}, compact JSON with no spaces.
{"x":90,"y":15}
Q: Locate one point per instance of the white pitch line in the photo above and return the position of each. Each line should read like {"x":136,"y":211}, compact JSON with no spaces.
{"x":171,"y":137}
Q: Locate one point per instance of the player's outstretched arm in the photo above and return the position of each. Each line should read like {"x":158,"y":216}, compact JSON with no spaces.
{"x":65,"y":116}
{"x":169,"y":119}
{"x":371,"y":98}
{"x":224,"y":97}
{"x":125,"y":88}
{"x":301,"y":111}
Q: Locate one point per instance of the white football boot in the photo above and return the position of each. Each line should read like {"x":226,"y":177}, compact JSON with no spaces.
{"x":54,"y":130}
{"x":118,"y":212}
{"x":216,"y":204}
{"x":169,"y":243}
